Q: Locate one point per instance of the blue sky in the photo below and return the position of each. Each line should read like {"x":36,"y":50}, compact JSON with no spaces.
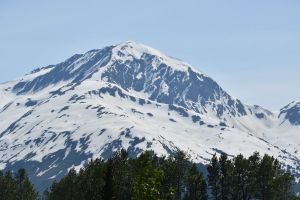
{"x":251,"y":48}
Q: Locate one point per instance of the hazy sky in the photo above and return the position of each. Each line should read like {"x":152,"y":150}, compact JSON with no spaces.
{"x":251,"y":48}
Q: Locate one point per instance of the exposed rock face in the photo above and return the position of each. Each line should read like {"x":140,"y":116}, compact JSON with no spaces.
{"x":134,"y":97}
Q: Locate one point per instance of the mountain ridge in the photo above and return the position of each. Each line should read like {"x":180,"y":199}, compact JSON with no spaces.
{"x":134,"y":97}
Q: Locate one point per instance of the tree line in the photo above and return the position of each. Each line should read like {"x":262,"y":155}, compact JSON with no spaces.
{"x":149,"y":177}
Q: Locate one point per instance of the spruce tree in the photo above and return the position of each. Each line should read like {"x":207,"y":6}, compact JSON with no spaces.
{"x":122,"y":176}
{"x":266,"y":176}
{"x":195,"y":184}
{"x":214,"y":178}
{"x":65,"y":189}
{"x":94,"y":175}
{"x":225,"y":177}
{"x":108,"y":188}
{"x":240,"y":178}
{"x":152,"y":177}
{"x":283,"y":186}
{"x":8,"y":186}
{"x":147,"y":183}
{"x":168,"y":182}
{"x":25,"y":190}
{"x":253,"y":168}
{"x":181,"y":165}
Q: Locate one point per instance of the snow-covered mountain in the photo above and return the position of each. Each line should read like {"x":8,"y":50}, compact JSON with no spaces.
{"x":291,"y":113}
{"x":134,"y":97}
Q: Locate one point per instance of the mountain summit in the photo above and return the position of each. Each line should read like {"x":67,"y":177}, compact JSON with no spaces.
{"x":134,"y":97}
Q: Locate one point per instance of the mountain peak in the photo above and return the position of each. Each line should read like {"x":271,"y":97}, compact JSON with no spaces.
{"x":137,"y":67}
{"x":139,"y":51}
{"x":291,"y":112}
{"x":134,"y":97}
{"x":137,"y":48}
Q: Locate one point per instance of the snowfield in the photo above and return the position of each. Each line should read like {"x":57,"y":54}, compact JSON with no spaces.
{"x":134,"y":97}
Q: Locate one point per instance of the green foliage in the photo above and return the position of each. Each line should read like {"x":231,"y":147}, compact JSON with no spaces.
{"x":249,"y":178}
{"x":87,"y":184}
{"x":8,"y":187}
{"x":16,"y":188}
{"x":240,"y":178}
{"x":122,"y":176}
{"x":148,"y":181}
{"x":226,"y":172}
{"x":214,"y":178}
{"x":149,"y":177}
{"x":195,"y":184}
{"x":181,"y":167}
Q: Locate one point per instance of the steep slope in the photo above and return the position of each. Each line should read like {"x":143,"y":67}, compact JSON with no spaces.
{"x":128,"y":96}
{"x":291,"y":113}
{"x":139,"y":68}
